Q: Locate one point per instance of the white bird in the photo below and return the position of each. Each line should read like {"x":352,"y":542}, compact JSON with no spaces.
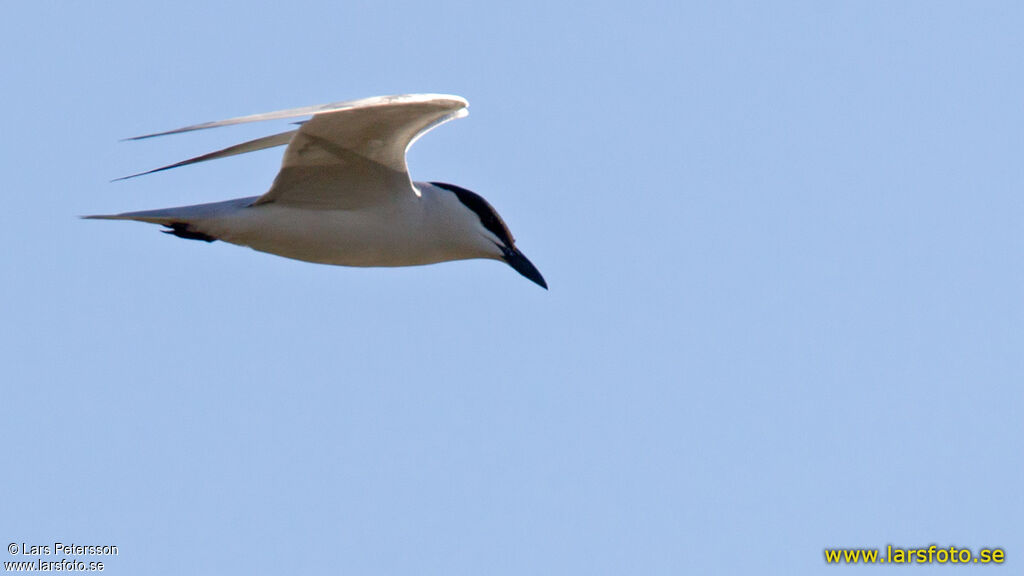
{"x":343,"y":195}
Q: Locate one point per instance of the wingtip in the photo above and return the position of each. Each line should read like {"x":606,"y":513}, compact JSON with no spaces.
{"x":130,"y":176}
{"x":155,"y":134}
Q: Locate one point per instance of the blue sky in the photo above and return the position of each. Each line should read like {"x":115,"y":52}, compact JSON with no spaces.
{"x":784,"y":248}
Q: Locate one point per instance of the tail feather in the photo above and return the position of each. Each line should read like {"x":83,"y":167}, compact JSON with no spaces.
{"x":178,"y":228}
{"x":137,"y":216}
{"x":182,"y":221}
{"x":191,"y":213}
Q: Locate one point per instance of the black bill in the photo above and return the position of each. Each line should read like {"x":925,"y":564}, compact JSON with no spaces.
{"x":522,"y":265}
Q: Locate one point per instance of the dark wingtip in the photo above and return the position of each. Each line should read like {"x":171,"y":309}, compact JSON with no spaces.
{"x":145,"y":136}
{"x":153,"y":171}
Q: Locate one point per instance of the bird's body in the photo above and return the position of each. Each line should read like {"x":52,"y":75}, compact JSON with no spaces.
{"x":343,"y":196}
{"x":431,"y":229}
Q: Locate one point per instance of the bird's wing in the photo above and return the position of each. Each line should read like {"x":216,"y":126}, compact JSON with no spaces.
{"x":250,"y":146}
{"x":348,"y":154}
{"x":303,"y":111}
{"x":355,"y":156}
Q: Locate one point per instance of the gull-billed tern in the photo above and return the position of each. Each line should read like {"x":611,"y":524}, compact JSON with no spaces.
{"x":343,"y":195}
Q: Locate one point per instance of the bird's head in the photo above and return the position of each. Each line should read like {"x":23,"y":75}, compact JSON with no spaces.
{"x":493,"y":228}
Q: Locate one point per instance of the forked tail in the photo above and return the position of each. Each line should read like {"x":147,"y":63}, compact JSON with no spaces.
{"x":183,"y":221}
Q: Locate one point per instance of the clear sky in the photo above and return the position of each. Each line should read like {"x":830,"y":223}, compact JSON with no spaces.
{"x":784,"y":247}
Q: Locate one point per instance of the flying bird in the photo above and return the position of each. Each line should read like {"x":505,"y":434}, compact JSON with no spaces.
{"x":344,"y":196}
